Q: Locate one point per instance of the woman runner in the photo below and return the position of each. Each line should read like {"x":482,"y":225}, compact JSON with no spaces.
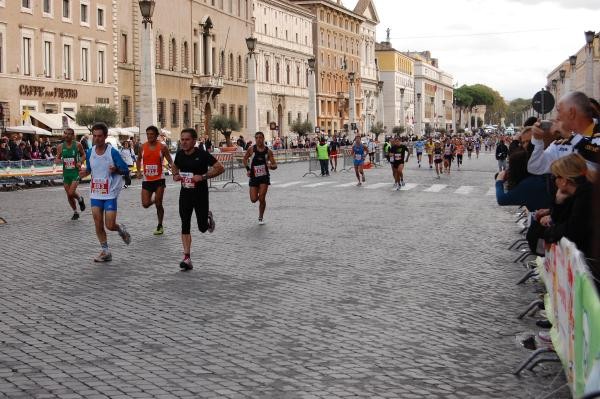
{"x":258,"y":172}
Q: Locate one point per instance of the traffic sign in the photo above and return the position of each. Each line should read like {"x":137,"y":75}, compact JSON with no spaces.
{"x":543,"y":102}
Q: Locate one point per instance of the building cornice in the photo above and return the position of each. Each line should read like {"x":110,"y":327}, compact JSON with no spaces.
{"x":289,"y":6}
{"x":333,"y":6}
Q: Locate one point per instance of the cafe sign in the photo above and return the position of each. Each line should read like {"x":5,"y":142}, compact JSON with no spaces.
{"x":41,"y":91}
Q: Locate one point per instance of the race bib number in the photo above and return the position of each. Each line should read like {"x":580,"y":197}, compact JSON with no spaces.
{"x":151,"y":170}
{"x":397,"y":157}
{"x":437,"y":156}
{"x":358,"y":157}
{"x":260,"y":170}
{"x":99,"y":186}
{"x":186,"y":180}
{"x":69,"y":163}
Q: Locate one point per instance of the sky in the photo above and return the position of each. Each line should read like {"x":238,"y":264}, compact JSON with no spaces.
{"x":509,"y":45}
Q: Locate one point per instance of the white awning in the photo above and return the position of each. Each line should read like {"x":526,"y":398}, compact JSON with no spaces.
{"x":29,"y":129}
{"x":55,"y":122}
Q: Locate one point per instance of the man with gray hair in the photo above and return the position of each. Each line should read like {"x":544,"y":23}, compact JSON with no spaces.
{"x":581,"y":134}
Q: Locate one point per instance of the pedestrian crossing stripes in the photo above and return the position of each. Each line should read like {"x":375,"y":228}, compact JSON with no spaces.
{"x":323,"y":183}
{"x":436,"y":188}
{"x":346,"y":184}
{"x":377,"y":185}
{"x":464,"y":190}
{"x":408,"y":186}
{"x":491,"y":191}
{"x":292,"y":183}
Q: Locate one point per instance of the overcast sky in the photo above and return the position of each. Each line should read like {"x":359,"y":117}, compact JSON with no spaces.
{"x":509,"y":45}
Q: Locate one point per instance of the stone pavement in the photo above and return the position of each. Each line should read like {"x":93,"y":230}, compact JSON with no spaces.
{"x":346,"y":292}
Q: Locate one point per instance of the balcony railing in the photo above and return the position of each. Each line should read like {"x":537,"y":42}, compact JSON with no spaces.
{"x":210,"y":82}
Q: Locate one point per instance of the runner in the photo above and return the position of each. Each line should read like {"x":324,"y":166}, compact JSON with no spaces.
{"x":477,"y":147}
{"x":191,"y":168}
{"x":333,"y":153}
{"x":359,"y":151}
{"x":398,"y":155}
{"x":469,"y":147}
{"x":429,"y":145}
{"x":437,"y":157}
{"x":106,"y":167}
{"x":419,"y":147}
{"x":460,"y":150}
{"x":72,"y":155}
{"x":151,"y":159}
{"x":448,"y":154}
{"x":258,"y":172}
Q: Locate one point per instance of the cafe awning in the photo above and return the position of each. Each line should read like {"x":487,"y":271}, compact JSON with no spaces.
{"x":54,"y":122}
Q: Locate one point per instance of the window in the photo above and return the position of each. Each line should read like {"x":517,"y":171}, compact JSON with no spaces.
{"x":240,"y":116}
{"x":289,"y":118}
{"x":47,"y":6}
{"x":186,"y":56}
{"x":161,"y":105}
{"x":27,"y":56}
{"x":268,"y":117}
{"x":123,"y":49}
{"x":186,"y":114}
{"x":67,"y":61}
{"x":287,"y":74}
{"x":277,"y":72}
{"x":230,"y":66}
{"x":174,"y":106}
{"x":85,"y":63}
{"x":173,"y":55}
{"x":239,"y":67}
{"x":125,"y":101}
{"x":100,"y":18}
{"x":1,"y":52}
{"x":101,"y":66}
{"x":66,"y":8}
{"x":298,"y":76}
{"x":265,"y":29}
{"x":266,"y":71}
{"x":195,"y":57}
{"x":47,"y":59}
{"x":26,"y":4}
{"x":160,"y":52}
{"x":84,"y":13}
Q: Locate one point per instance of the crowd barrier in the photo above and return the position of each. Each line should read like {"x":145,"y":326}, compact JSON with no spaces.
{"x":229,"y":161}
{"x":572,"y":306}
{"x":19,"y":172}
{"x":314,"y":165}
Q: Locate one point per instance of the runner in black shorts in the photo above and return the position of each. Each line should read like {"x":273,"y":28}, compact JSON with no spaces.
{"x":258,"y":172}
{"x":398,"y":154}
{"x":191,"y":168}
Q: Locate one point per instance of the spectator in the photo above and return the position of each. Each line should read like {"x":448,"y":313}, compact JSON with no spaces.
{"x":4,"y":150}
{"x":18,"y":151}
{"x":522,"y":188}
{"x":127,"y":154}
{"x":84,"y":142}
{"x":36,"y":153}
{"x":570,"y":214}
{"x":501,"y":154}
{"x":47,"y":154}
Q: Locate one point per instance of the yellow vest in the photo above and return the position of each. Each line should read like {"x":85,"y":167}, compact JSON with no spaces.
{"x":322,"y":151}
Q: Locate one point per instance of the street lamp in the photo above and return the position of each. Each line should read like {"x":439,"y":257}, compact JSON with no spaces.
{"x":147,"y":110}
{"x":562,"y":73}
{"x":351,"y":102}
{"x":419,"y":115}
{"x":402,"y":107}
{"x":252,"y":119}
{"x":312,"y":93}
{"x":432,"y":118}
{"x":380,"y":106}
{"x":444,"y":112}
{"x":553,"y":83}
{"x":589,"y":78}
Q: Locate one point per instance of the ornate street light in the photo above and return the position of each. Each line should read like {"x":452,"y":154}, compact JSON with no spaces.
{"x":147,"y":9}
{"x":312,"y":93}
{"x":380,"y":85}
{"x":589,"y":38}
{"x":252,"y":114}
{"x":573,"y":62}
{"x":554,"y":82}
{"x":251,"y":44}
{"x":311,"y":63}
{"x":562,"y":73}
{"x":351,"y":76}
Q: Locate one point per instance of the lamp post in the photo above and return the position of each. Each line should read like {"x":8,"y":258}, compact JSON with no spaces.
{"x":572,"y":76}
{"x":402,"y":123}
{"x":351,"y":104}
{"x":419,"y":115}
{"x":252,"y":119}
{"x":148,"y":111}
{"x":444,"y":113}
{"x":432,"y":118}
{"x":589,"y":76}
{"x":454,"y":114}
{"x":380,"y":106}
{"x":312,"y":93}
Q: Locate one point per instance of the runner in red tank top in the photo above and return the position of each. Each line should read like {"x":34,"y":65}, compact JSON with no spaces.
{"x":150,"y":167}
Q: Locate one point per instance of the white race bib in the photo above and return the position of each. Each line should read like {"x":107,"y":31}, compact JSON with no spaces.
{"x":358,"y":157}
{"x":260,"y":170}
{"x":151,"y":170}
{"x":186,"y":180}
{"x":397,"y":157}
{"x":69,"y":163}
{"x":437,"y":156}
{"x":99,"y":186}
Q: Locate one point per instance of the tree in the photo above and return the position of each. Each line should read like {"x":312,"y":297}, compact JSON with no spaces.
{"x":515,"y":110}
{"x":301,"y":128}
{"x":377,"y":129}
{"x":225,"y":126}
{"x":397,"y":130}
{"x":90,"y":116}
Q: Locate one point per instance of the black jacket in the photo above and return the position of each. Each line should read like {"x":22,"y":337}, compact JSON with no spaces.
{"x":501,"y":151}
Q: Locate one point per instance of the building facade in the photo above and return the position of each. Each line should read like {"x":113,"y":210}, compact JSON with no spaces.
{"x":368,"y":64}
{"x":56,"y":57}
{"x":336,"y":49}
{"x":434,"y":94}
{"x":396,"y":70}
{"x":200,"y":66}
{"x":284,"y":45}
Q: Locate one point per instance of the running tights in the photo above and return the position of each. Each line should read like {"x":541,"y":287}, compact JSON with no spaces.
{"x":195,"y":199}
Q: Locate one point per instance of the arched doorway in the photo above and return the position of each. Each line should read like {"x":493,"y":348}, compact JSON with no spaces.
{"x":207,"y":118}
{"x":279,"y":119}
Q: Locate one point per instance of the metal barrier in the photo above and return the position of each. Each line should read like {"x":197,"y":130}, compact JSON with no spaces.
{"x":313,"y":163}
{"x":13,"y":173}
{"x":348,"y":158}
{"x":228,"y":160}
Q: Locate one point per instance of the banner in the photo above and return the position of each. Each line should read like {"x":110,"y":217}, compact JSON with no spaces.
{"x":29,"y":168}
{"x":573,"y":308}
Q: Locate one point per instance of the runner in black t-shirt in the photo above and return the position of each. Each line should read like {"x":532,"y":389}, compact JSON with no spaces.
{"x":191,"y":168}
{"x":398,"y":153}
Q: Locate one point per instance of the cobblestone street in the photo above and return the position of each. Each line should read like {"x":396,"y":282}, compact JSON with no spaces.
{"x":345,"y":292}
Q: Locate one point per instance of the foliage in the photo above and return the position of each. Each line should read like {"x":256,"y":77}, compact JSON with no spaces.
{"x":468,"y":97}
{"x":515,"y":110}
{"x":377,"y":129}
{"x":301,"y":128}
{"x":89,"y":116}
{"x":224,"y":125}
{"x":397,"y":130}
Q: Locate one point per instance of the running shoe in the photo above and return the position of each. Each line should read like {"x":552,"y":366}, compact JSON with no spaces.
{"x":75,"y":216}
{"x":395,"y":186}
{"x":261,"y":221}
{"x":430,"y":167}
{"x":359,"y":184}
{"x":103,"y":257}
{"x":402,"y":183}
{"x":186,"y":264}
{"x":211,"y":222}
{"x":125,"y":236}
{"x":81,"y":204}
{"x":159,"y":231}
{"x":363,"y":178}
{"x":398,"y":188}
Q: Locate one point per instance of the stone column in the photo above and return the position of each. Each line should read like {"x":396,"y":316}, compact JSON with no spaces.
{"x":252,"y":122}
{"x":312,"y":98}
{"x":148,"y":111}
{"x":209,"y":60}
{"x":589,"y":72}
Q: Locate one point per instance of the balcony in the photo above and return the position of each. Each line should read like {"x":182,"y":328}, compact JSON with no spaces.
{"x":209,"y":82}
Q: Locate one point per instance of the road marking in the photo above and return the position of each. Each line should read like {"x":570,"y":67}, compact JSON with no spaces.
{"x":491,"y":191}
{"x":377,"y":185}
{"x":323,"y":183}
{"x":346,"y":184}
{"x":464,"y":190}
{"x":293,"y":183}
{"x":435,"y":188}
{"x":408,"y":186}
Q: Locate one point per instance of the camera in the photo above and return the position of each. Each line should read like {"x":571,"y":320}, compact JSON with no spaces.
{"x":546,"y":125}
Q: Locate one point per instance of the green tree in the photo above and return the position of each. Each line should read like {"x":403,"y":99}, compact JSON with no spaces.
{"x":398,"y":130}
{"x":377,"y":129}
{"x":515,"y":110}
{"x":89,"y":116}
{"x":225,"y":126}
{"x":301,"y":128}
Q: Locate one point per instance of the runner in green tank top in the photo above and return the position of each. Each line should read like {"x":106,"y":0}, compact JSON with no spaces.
{"x":72,"y":156}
